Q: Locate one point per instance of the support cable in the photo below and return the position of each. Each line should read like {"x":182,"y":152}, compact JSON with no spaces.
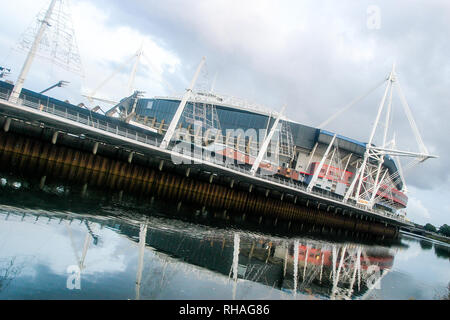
{"x":412,"y":123}
{"x":350,"y":105}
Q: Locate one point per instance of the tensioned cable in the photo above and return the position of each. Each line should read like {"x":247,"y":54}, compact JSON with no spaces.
{"x":152,"y":66}
{"x":408,"y":113}
{"x":350,"y":105}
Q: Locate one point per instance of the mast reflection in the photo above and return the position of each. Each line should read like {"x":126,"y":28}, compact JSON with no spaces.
{"x":298,"y":268}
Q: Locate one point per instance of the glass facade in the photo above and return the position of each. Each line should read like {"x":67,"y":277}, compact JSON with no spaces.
{"x":228,"y":118}
{"x":237,"y":119}
{"x":156,"y":108}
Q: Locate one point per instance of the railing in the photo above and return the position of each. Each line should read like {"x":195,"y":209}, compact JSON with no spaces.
{"x":89,"y":120}
{"x":79,"y":117}
{"x":220,"y":99}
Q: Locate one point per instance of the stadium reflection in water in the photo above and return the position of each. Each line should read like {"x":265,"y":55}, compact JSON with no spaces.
{"x":168,"y":252}
{"x":117,"y":253}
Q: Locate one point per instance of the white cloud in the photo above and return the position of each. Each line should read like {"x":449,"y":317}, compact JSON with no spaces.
{"x":104,"y":45}
{"x":417,"y":211}
{"x":435,"y":201}
{"x":48,"y":238}
{"x":408,"y":254}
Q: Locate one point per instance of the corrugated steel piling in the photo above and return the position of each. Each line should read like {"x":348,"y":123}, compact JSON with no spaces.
{"x":95,"y":168}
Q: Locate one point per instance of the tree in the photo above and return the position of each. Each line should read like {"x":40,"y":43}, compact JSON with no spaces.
{"x":430,"y":227}
{"x":445,"y":230}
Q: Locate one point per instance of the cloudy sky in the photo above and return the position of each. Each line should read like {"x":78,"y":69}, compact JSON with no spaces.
{"x":313,"y":56}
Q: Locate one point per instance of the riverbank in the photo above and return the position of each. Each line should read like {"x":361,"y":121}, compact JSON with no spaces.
{"x":442,"y":239}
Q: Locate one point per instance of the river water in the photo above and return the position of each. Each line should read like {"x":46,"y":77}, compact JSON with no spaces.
{"x":54,"y":245}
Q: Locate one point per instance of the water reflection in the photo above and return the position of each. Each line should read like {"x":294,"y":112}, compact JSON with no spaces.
{"x":54,"y":245}
{"x":275,"y":263}
{"x":426,"y":245}
{"x":9,"y":270}
{"x":174,"y":259}
{"x":442,"y":251}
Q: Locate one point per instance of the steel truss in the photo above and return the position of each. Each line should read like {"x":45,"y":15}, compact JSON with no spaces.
{"x":372,"y":182}
{"x":199,"y":113}
{"x":52,"y":37}
{"x":336,"y":166}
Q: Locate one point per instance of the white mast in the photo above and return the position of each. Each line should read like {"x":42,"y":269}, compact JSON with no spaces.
{"x":372,"y":135}
{"x":213,"y":85}
{"x":265,"y":144}
{"x":296,"y":253}
{"x":235,"y":266}
{"x":319,"y":168}
{"x":142,"y":238}
{"x":176,"y":118}
{"x":134,"y":70}
{"x":377,"y":182}
{"x":400,"y":169}
{"x":31,"y":54}
{"x":360,"y":173}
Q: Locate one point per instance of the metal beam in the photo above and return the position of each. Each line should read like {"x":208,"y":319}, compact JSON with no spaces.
{"x":376,"y":187}
{"x":265,"y":145}
{"x":317,"y":171}
{"x":311,"y":157}
{"x":394,"y":152}
{"x":400,"y":169}
{"x":142,"y":238}
{"x":352,"y":185}
{"x":411,"y":120}
{"x":330,"y":163}
{"x":134,"y":70}
{"x":381,"y":160}
{"x":346,"y":165}
{"x":60,"y":84}
{"x":173,"y":124}
{"x":87,"y":241}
